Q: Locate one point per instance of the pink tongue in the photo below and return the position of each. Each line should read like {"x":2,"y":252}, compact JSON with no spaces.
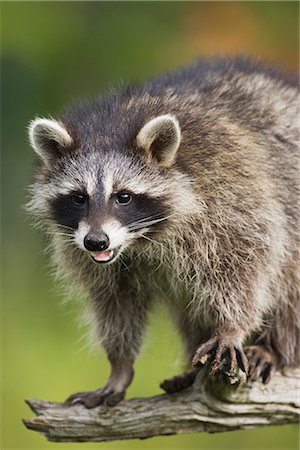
{"x":102,"y":256}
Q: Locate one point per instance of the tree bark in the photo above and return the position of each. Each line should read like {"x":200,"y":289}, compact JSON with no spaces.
{"x":209,"y":405}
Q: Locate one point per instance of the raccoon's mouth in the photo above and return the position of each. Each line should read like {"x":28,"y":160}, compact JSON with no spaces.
{"x":105,"y":256}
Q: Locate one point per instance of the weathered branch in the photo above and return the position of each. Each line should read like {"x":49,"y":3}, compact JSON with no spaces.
{"x":207,"y":406}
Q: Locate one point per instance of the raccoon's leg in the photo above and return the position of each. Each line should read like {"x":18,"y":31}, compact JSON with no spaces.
{"x":113,"y":391}
{"x":241,"y":291}
{"x":240,"y":298}
{"x":276,"y":345}
{"x":224,"y":349}
{"x":121,"y":322}
{"x":262,"y":363}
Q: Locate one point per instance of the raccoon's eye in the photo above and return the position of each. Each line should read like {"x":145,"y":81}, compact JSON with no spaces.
{"x":78,"y":198}
{"x":124,"y":198}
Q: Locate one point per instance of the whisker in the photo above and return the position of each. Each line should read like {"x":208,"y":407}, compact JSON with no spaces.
{"x":146,"y":223}
{"x":144,"y":218}
{"x":162,"y":248}
{"x":150,"y":239}
{"x":59,"y":233}
{"x":69,"y":243}
{"x":65,"y":227}
{"x":123,"y":262}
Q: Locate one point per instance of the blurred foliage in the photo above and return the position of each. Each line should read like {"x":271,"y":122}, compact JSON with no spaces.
{"x":53,"y":52}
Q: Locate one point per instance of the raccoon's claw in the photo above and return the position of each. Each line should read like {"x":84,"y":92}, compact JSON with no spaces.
{"x":262,"y":363}
{"x":225,"y":354}
{"x":92,"y":399}
{"x":203,"y":353}
{"x":179,"y":382}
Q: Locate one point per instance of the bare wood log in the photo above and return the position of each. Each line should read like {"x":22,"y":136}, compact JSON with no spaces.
{"x":207,"y":406}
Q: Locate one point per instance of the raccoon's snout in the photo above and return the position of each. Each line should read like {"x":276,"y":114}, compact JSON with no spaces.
{"x":96,"y":242}
{"x":103,"y":241}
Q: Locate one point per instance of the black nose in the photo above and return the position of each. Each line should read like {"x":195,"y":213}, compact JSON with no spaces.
{"x":96,"y":242}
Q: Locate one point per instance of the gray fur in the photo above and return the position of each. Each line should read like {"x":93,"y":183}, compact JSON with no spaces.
{"x":226,"y":260}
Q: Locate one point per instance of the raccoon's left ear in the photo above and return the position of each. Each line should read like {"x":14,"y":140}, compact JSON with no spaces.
{"x":49,"y":139}
{"x":160,"y":138}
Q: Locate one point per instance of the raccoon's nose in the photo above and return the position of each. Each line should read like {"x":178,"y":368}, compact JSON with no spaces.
{"x":96,"y":242}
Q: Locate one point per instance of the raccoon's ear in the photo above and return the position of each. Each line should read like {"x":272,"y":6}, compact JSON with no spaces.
{"x":160,"y":138}
{"x":49,"y":139}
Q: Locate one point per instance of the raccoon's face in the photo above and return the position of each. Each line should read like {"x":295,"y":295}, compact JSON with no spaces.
{"x":106,"y":200}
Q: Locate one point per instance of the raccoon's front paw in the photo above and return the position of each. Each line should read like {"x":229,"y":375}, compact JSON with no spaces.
{"x":225,"y":353}
{"x":262,"y":363}
{"x":92,"y":399}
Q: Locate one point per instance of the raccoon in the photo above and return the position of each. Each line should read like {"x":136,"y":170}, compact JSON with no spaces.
{"x":184,"y":189}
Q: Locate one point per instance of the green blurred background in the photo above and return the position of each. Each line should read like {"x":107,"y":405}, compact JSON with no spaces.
{"x":53,"y":52}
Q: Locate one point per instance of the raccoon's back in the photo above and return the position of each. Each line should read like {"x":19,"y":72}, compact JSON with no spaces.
{"x":197,"y":94}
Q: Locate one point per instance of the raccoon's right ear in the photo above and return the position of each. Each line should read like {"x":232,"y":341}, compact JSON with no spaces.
{"x":160,"y":139}
{"x":49,"y":139}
